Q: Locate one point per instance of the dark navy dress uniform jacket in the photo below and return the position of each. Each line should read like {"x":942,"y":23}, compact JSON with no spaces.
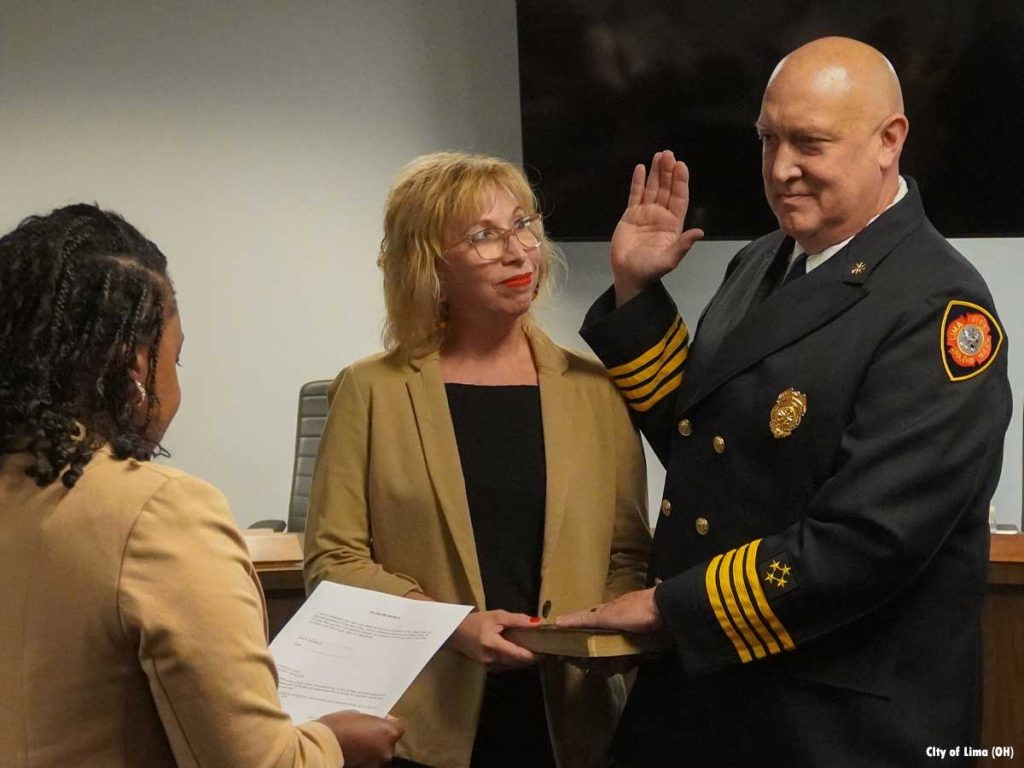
{"x":822,"y":581}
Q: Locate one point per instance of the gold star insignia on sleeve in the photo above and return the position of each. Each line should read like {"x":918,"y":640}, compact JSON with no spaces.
{"x":778,"y":574}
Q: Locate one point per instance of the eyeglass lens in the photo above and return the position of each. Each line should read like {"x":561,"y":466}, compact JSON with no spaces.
{"x":493,"y":248}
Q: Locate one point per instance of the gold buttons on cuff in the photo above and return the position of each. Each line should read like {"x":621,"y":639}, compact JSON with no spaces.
{"x":545,"y":609}
{"x":666,"y":507}
{"x":685,"y":427}
{"x":718,"y":443}
{"x":702,"y":526}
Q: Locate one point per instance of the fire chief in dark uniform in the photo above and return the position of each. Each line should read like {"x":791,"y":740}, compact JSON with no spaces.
{"x":832,"y":437}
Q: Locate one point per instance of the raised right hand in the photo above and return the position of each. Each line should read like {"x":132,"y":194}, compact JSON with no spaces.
{"x":648,"y":242}
{"x":479,"y":638}
{"x":366,"y":741}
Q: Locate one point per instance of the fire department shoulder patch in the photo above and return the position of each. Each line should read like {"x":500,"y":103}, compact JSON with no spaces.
{"x":971,"y":340}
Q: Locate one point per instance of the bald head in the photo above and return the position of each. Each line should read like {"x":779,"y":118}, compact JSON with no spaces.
{"x":832,"y":128}
{"x":848,"y":73}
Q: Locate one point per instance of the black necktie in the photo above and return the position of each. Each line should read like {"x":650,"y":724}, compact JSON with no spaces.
{"x":773,"y":277}
{"x":798,"y":268}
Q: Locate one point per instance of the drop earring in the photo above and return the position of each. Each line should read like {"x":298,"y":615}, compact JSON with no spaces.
{"x":142,"y":390}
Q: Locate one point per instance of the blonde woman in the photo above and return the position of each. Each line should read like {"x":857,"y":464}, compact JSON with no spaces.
{"x":475,"y":461}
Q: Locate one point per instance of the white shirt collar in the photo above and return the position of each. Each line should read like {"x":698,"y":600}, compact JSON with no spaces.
{"x":815,"y":260}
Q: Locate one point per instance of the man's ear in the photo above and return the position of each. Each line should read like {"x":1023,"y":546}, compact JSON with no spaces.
{"x":892,"y":135}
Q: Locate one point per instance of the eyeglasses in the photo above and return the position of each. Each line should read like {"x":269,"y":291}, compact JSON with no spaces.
{"x":491,"y":243}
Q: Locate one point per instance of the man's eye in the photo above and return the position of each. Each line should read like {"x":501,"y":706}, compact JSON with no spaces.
{"x":810,"y":145}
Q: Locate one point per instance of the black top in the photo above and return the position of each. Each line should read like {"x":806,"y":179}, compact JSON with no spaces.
{"x":501,"y":448}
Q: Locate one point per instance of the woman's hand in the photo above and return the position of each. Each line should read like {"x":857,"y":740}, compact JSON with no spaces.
{"x":479,"y":638}
{"x":366,"y":741}
{"x":648,"y":242}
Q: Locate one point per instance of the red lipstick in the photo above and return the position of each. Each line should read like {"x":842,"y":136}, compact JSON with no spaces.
{"x":519,"y":281}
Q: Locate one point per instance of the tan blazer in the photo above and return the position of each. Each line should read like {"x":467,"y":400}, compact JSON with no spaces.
{"x":388,"y":511}
{"x":133,"y":631}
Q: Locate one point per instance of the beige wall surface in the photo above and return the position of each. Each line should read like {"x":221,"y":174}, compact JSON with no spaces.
{"x":254,"y":142}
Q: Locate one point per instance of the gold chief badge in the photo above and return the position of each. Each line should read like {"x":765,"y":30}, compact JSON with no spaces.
{"x":789,"y":409}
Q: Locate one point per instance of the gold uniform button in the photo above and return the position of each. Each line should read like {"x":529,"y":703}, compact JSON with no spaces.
{"x":545,"y":609}
{"x":718,"y":443}
{"x":685,"y":427}
{"x":702,"y":526}
{"x":666,"y":507}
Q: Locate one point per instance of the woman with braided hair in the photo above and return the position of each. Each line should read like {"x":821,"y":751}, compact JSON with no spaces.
{"x":79,"y":322}
{"x":133,"y":629}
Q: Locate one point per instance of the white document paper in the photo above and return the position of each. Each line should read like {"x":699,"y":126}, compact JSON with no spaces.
{"x":350,"y":648}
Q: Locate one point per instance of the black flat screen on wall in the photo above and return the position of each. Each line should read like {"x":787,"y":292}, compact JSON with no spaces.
{"x":605,"y":84}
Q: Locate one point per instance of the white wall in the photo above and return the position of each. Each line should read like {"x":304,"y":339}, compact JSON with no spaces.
{"x":254,"y":141}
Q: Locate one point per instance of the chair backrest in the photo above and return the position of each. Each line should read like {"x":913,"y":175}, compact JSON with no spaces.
{"x":310,"y":426}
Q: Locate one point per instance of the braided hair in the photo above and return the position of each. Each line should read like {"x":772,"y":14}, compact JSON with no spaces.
{"x":81,"y":291}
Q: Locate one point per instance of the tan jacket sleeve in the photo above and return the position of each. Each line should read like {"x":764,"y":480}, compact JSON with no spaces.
{"x":190,"y":602}
{"x":631,"y":539}
{"x":338,"y":530}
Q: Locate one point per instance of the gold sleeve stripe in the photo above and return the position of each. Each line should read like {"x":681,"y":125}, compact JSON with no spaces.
{"x":740,"y":605}
{"x":667,"y":369}
{"x":762,"y":601}
{"x":740,"y":562}
{"x":634,"y":365}
{"x":729,"y":571}
{"x":667,"y":388}
{"x":645,"y":372}
{"x":711,"y":585}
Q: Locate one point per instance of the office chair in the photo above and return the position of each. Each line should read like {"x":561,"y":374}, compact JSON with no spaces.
{"x":312,"y":415}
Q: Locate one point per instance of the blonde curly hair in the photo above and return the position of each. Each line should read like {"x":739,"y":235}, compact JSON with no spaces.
{"x":433,"y":197}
